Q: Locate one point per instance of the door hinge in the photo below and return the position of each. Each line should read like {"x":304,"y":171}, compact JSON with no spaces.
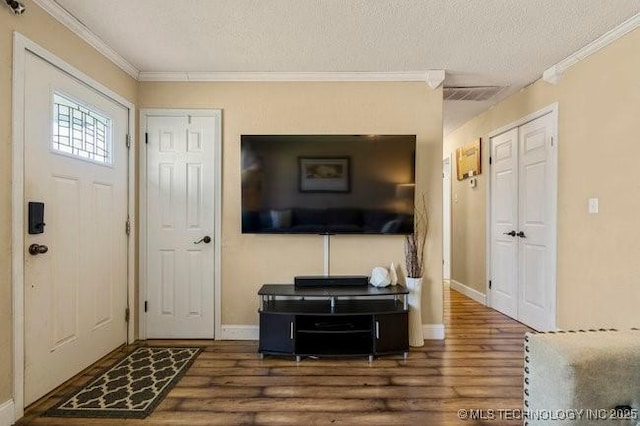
{"x":146,"y":306}
{"x":490,"y":160}
{"x":127,"y":226}
{"x":128,"y":141}
{"x":489,"y":284}
{"x":127,"y":314}
{"x":146,"y":138}
{"x":551,"y":140}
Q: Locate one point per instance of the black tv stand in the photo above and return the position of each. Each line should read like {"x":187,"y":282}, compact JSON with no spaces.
{"x":334,"y":321}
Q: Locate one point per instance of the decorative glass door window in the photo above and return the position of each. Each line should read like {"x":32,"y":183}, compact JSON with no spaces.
{"x":81,"y":132}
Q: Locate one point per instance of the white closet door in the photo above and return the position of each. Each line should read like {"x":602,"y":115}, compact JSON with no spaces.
{"x":504,"y":216}
{"x":180,"y":224}
{"x":536,"y":306}
{"x":523,"y":182}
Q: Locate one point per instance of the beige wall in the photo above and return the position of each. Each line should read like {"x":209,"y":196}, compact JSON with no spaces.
{"x":248,"y":261}
{"x":598,"y":281}
{"x":467,"y":218}
{"x":38,"y":26}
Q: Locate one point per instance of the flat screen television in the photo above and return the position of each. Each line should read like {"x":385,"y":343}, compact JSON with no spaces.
{"x":328,"y":184}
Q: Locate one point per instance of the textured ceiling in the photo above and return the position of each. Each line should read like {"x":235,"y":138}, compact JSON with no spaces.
{"x":480,"y":42}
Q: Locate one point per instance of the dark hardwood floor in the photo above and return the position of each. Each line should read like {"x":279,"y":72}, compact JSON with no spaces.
{"x":478,"y":366}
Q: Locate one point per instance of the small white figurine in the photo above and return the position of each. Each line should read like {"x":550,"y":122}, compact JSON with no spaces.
{"x":380,"y":277}
{"x":393,"y":274}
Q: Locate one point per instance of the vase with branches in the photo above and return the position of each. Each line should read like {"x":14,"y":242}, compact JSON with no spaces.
{"x":415,"y":242}
{"x":414,"y":248}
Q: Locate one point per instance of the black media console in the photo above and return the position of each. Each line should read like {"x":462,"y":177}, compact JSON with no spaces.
{"x":333,"y":321}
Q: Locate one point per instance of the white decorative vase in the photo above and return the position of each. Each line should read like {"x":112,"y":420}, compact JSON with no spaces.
{"x":416,"y":337}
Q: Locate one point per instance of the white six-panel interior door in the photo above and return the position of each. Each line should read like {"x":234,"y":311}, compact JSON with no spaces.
{"x":180,"y":223}
{"x":75,"y":293}
{"x":523,"y":218}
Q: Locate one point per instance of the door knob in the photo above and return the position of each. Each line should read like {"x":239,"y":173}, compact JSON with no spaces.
{"x":36,"y":249}
{"x":521,"y":235}
{"x":511,"y":233}
{"x":206,"y":239}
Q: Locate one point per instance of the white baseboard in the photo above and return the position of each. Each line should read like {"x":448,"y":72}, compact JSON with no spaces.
{"x":251,"y":332}
{"x":433,"y":331}
{"x":7,"y":413}
{"x":469,"y":292}
{"x":239,"y":332}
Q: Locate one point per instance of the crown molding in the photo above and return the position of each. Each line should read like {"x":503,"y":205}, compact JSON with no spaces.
{"x":553,"y":73}
{"x":435,"y":78}
{"x":78,"y":28}
{"x":418,"y":76}
{"x":163,"y":76}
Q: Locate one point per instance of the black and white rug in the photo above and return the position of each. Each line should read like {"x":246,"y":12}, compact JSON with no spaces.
{"x":132,"y":388}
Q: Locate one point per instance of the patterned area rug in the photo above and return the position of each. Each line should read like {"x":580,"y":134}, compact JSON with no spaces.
{"x":132,"y":388}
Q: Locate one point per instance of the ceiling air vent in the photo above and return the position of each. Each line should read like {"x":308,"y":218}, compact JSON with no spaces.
{"x":472,"y":93}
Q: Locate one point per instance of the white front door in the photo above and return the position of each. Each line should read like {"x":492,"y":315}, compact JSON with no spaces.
{"x":446,"y":219}
{"x":504,"y":225}
{"x":76,"y":163}
{"x":180,"y":223}
{"x":522,"y":223}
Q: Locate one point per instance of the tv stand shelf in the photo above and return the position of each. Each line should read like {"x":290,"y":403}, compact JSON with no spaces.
{"x":333,"y":321}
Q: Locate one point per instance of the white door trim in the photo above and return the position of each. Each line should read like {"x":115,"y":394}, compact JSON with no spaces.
{"x":22,"y":45}
{"x":553,"y":108}
{"x":217,"y":209}
{"x":553,"y":223}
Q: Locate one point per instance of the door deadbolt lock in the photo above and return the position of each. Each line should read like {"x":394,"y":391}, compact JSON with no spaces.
{"x":36,"y":249}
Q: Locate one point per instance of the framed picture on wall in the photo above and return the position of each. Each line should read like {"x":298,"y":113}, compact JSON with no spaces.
{"x":468,"y":162}
{"x":324,"y":174}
